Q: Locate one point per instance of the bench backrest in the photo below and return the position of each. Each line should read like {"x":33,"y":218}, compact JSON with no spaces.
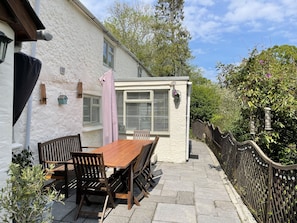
{"x":59,"y":149}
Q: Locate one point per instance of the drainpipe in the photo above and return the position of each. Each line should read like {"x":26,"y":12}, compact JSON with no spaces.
{"x":29,"y":104}
{"x":189,"y":91}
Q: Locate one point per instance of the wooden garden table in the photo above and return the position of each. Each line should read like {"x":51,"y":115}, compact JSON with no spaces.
{"x":120,"y":154}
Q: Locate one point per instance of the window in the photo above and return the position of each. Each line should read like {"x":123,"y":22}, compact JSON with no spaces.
{"x":108,"y":54}
{"x":143,"y":110}
{"x":91,"y":110}
{"x":139,"y":73}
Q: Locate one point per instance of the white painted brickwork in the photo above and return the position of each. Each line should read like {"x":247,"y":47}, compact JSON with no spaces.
{"x":6,"y":99}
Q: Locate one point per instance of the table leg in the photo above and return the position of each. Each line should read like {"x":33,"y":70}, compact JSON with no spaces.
{"x":130,"y":187}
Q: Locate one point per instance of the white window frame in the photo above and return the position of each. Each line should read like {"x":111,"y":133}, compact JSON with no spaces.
{"x":92,"y":122}
{"x":149,"y":100}
{"x":108,"y":52}
{"x":139,"y":71}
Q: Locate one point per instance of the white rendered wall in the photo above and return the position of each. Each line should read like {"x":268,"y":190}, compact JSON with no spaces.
{"x":126,"y":67}
{"x":77,"y":46}
{"x":6,"y":105}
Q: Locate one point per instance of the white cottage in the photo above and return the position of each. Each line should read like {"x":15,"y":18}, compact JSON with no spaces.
{"x":79,"y":53}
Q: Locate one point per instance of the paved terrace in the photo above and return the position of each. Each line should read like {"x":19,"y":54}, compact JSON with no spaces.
{"x":196,"y":191}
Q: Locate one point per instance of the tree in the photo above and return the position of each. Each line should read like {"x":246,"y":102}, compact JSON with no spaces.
{"x":160,"y":42}
{"x":132,"y":26}
{"x":268,"y":79}
{"x":228,"y":112}
{"x":172,"y":54}
{"x":204,"y":102}
{"x":196,"y":76}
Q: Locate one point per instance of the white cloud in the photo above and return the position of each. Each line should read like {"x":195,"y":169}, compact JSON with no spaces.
{"x":198,"y":51}
{"x":208,"y":22}
{"x":246,"y":11}
{"x":201,"y":23}
{"x":200,"y":2}
{"x":98,"y":8}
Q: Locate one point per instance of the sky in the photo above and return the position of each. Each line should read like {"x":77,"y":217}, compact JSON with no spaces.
{"x":226,"y":31}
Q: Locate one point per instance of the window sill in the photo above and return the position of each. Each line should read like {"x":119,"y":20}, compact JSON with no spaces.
{"x":92,"y":128}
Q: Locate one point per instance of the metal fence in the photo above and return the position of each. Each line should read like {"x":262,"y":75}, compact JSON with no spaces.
{"x":267,"y":188}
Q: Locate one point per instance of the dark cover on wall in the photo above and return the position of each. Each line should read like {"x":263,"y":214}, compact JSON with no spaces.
{"x":26,"y":73}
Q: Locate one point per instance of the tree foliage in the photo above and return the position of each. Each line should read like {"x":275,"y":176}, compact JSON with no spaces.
{"x":171,"y":39}
{"x":228,"y":112}
{"x":157,"y":38}
{"x":268,"y":79}
{"x":132,"y":26}
{"x":204,"y":102}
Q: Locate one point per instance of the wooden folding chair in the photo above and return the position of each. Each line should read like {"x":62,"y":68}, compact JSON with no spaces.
{"x":137,"y":171}
{"x":141,"y":134}
{"x":92,"y":180}
{"x":138,"y":168}
{"x":147,"y":167}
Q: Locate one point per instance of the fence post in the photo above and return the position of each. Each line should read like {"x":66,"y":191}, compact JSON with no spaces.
{"x":269,"y":195}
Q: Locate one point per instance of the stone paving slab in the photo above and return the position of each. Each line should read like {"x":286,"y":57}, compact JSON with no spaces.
{"x":175,"y":213}
{"x":197,"y":191}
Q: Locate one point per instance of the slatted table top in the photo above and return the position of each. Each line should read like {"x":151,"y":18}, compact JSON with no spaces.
{"x":120,"y":153}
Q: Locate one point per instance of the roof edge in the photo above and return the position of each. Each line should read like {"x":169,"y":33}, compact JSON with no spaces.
{"x":172,"y":78}
{"x":100,"y":25}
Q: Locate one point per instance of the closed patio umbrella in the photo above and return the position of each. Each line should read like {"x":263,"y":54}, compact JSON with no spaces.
{"x":26,"y":73}
{"x":109,"y":108}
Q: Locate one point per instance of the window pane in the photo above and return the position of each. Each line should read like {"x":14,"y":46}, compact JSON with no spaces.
{"x":108,"y":54}
{"x":95,"y":114}
{"x":138,"y":95}
{"x":160,"y":124}
{"x":96,"y":101}
{"x":91,"y":110}
{"x":105,"y":52}
{"x":86,"y":110}
{"x":110,"y":49}
{"x":120,"y":110}
{"x":138,"y":116}
{"x":110,"y":60}
{"x":161,"y":110}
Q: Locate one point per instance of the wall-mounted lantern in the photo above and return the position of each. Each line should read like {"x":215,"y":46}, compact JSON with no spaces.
{"x":176,"y":95}
{"x":62,"y":99}
{"x":4,"y":40}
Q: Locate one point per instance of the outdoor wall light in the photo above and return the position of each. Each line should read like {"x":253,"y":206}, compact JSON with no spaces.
{"x":4,"y":40}
{"x":176,"y":94}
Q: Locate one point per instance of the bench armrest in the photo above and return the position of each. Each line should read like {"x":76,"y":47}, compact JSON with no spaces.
{"x":59,"y":162}
{"x":86,"y":147}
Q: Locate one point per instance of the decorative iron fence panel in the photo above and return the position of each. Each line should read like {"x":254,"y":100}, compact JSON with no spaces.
{"x":267,"y":188}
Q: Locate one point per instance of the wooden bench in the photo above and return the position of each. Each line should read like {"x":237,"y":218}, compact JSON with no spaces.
{"x":58,"y":152}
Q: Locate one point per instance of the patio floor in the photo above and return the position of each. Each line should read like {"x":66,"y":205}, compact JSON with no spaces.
{"x":195,"y":191}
